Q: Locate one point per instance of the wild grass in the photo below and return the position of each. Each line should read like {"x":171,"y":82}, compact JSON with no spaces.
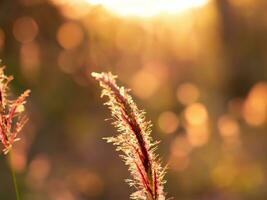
{"x":134,"y":140}
{"x":12,"y":119}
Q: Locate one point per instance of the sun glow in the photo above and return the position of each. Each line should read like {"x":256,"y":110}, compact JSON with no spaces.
{"x":148,"y":8}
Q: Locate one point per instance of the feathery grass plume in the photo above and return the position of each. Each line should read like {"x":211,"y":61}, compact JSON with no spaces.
{"x":133,"y":140}
{"x":11,"y":118}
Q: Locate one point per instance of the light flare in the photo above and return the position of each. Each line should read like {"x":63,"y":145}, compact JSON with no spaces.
{"x":147,"y":8}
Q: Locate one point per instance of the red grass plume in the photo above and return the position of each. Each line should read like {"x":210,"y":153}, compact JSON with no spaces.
{"x":134,"y":140}
{"x":11,"y":118}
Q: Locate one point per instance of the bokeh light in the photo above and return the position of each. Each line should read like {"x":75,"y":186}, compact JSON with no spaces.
{"x":39,"y":169}
{"x":147,"y":80}
{"x":168,"y":122}
{"x":228,"y":127}
{"x":255,"y":106}
{"x":179,"y":156}
{"x":25,"y":29}
{"x":30,"y":60}
{"x":198,"y":135}
{"x":196,"y":114}
{"x":70,"y":35}
{"x":187,"y":93}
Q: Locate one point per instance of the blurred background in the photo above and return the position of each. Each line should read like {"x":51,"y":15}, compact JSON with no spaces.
{"x":198,"y":68}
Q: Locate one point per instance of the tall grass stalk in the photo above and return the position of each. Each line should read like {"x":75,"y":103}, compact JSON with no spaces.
{"x":134,"y":140}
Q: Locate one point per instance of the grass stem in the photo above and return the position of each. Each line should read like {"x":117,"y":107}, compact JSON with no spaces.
{"x":14,"y":178}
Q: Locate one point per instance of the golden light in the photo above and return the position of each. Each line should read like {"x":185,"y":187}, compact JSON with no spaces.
{"x":230,"y":131}
{"x":168,"y":122}
{"x":30,"y":60}
{"x":228,"y":127}
{"x":179,"y":153}
{"x":148,"y":79}
{"x":196,"y":114}
{"x":39,"y":169}
{"x":147,"y":8}
{"x":25,"y":29}
{"x":70,"y":35}
{"x":72,"y":9}
{"x":180,"y":146}
{"x":197,"y":126}
{"x":198,"y":135}
{"x":255,"y":106}
{"x":187,"y":93}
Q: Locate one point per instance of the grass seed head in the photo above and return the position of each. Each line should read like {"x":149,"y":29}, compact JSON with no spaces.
{"x":12,"y":119}
{"x":134,"y":140}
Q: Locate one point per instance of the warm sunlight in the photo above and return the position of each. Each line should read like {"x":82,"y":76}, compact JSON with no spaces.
{"x":147,"y":8}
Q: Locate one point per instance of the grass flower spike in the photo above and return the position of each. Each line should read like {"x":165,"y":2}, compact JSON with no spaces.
{"x":11,"y":118}
{"x":134,"y":140}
